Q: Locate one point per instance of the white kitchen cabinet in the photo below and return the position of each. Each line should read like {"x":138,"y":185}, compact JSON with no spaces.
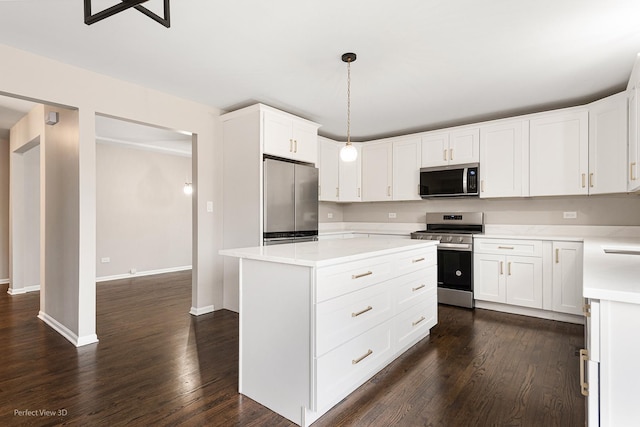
{"x":451,"y":147}
{"x":377,"y":171}
{"x":608,"y":145}
{"x":350,"y":177}
{"x":406,"y":168}
{"x":567,"y":277}
{"x":290,"y":137}
{"x":633,"y":92}
{"x":504,"y":159}
{"x":559,"y":153}
{"x":508,"y":272}
{"x":328,"y":170}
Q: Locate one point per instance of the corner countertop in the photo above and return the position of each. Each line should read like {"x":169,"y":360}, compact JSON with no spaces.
{"x":327,"y":252}
{"x":615,"y":275}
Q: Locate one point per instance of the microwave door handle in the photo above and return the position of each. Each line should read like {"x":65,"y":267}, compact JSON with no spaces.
{"x":464,"y":180}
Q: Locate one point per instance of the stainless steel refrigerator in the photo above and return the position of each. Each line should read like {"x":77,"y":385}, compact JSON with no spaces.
{"x":290,"y":202}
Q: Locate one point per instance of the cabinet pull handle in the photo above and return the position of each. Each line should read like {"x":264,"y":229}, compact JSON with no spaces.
{"x":591,"y":180}
{"x":450,"y":153}
{"x":509,"y":268}
{"x":295,"y":145}
{"x":388,"y":190}
{"x":632,"y":177}
{"x":418,"y":288}
{"x":444,"y":155}
{"x":417,"y":260}
{"x":418,"y":321}
{"x":319,"y":190}
{"x":363,"y":311}
{"x":291,"y":145}
{"x":501,"y":268}
{"x":358,"y":191}
{"x":357,"y":276}
{"x":557,"y":256}
{"x":583,"y":180}
{"x":482,"y":185}
{"x":337,"y":192}
{"x":505,"y":247}
{"x":586,"y":309}
{"x":361,"y":358}
{"x":584,"y":385}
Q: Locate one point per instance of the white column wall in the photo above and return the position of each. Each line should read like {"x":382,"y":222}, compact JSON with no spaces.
{"x":42,"y":79}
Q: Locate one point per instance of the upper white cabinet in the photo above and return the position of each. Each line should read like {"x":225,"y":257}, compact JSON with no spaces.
{"x":558,"y":150}
{"x":377,"y":175}
{"x":608,"y":145}
{"x":633,"y":92}
{"x":406,"y":168}
{"x":339,"y":181}
{"x":290,"y":137}
{"x":504,"y":159}
{"x":452,"y":147}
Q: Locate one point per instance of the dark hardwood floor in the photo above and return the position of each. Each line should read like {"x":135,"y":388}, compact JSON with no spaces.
{"x":157,"y":365}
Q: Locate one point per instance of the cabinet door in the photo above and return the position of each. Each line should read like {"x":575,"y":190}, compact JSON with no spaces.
{"x":489,"y":277}
{"x":435,"y":149}
{"x":504,"y":160}
{"x":350,"y":177}
{"x":608,"y":145}
{"x":464,"y":146}
{"x":277,"y":139}
{"x":558,"y":147}
{"x":376,"y":172}
{"x":328,"y":158}
{"x":567,"y":277}
{"x":406,"y":169}
{"x":305,"y":142}
{"x":524,"y":281}
{"x":633,"y":182}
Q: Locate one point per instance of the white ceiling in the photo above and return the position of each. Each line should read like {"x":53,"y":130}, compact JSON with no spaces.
{"x":421,"y":64}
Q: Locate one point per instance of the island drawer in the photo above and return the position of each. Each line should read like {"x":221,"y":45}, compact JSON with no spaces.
{"x":415,"y":287}
{"x":343,"y":369}
{"x":416,"y":321}
{"x":416,"y":260}
{"x":348,"y":277}
{"x":508,"y":247}
{"x":340,"y":319}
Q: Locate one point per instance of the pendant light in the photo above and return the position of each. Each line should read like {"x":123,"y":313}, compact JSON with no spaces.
{"x":348,"y":153}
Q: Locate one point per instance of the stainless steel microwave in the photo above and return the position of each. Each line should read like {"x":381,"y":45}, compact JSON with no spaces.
{"x":449,"y":181}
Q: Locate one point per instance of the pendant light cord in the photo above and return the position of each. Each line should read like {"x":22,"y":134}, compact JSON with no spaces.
{"x":349,"y":102}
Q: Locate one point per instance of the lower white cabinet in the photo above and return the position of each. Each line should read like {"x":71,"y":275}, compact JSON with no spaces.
{"x":534,"y":274}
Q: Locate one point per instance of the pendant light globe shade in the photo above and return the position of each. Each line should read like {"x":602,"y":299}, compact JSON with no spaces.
{"x":348,"y":153}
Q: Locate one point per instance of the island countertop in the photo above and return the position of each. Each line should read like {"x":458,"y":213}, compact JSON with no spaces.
{"x":327,"y":252}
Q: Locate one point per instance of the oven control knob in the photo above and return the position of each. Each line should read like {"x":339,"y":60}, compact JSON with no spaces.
{"x":437,"y":238}
{"x":447,"y":239}
{"x":460,"y":239}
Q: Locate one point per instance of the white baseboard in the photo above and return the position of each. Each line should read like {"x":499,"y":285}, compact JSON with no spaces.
{"x":65,"y":332}
{"x":13,"y":291}
{"x":143,"y":273}
{"x":4,"y":281}
{"x":532,"y":312}
{"x":201,"y":310}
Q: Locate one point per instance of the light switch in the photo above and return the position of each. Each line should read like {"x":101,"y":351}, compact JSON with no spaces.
{"x":209,"y":206}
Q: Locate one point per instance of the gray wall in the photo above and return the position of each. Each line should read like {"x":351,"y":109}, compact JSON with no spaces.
{"x":622,"y":209}
{"x":143,"y":216}
{"x":4,"y":211}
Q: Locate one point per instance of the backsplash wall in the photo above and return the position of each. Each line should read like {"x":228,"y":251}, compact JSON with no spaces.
{"x":619,"y":209}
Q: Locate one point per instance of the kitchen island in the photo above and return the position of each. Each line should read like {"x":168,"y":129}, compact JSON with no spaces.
{"x":318,"y":319}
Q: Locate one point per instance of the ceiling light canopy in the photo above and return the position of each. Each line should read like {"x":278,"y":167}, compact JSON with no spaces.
{"x":124,"y":5}
{"x":348,"y":153}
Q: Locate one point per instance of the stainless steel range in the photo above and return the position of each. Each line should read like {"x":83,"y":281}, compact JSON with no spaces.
{"x":455,"y":253}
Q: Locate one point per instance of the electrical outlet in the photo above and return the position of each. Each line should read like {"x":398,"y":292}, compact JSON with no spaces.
{"x":392,"y":215}
{"x":105,"y":260}
{"x":330,"y":215}
{"x":133,"y":271}
{"x":570,"y":215}
{"x":209,"y":206}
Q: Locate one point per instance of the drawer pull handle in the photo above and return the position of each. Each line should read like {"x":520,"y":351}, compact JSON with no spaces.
{"x":361,"y":358}
{"x":357,"y":276}
{"x":418,"y":321}
{"x":586,"y":309}
{"x":418,"y":260}
{"x":584,"y":386}
{"x":505,"y":247}
{"x":369,"y":308}
{"x":418,"y":288}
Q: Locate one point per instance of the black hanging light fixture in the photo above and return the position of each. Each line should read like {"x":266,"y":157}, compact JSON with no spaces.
{"x":124,"y":5}
{"x":348,"y":153}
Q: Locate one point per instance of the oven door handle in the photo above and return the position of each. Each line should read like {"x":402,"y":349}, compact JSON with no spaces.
{"x":459,"y":246}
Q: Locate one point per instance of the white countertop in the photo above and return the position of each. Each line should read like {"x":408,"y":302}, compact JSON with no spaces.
{"x":528,"y":237}
{"x":327,"y":252}
{"x":612,"y":276}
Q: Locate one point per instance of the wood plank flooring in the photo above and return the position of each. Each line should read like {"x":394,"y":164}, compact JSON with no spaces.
{"x":157,"y":365}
